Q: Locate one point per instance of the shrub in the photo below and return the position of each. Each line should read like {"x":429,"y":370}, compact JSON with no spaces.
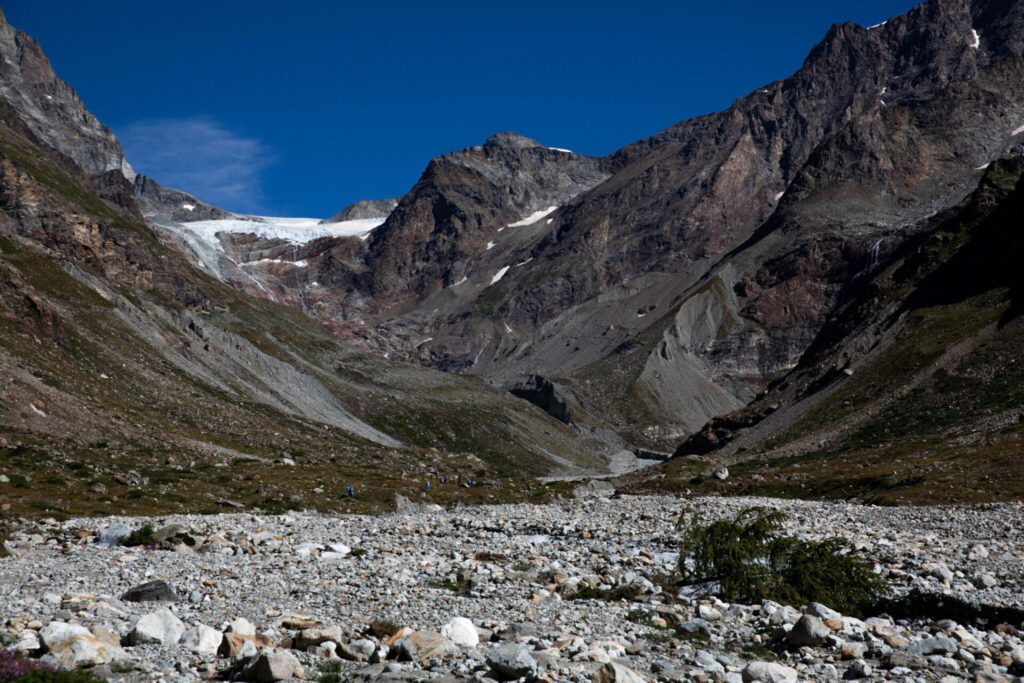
{"x":141,"y":536}
{"x":745,"y":561}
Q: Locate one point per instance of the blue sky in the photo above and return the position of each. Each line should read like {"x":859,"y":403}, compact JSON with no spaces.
{"x":301,"y":108}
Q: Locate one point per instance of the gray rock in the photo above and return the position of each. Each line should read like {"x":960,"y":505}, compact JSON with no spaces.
{"x":768,"y":672}
{"x":822,"y":611}
{"x":274,"y":665}
{"x":202,"y":640}
{"x":808,"y":631}
{"x":72,"y":646}
{"x":113,"y":534}
{"x":157,"y":627}
{"x":151,"y":591}
{"x":613,"y":672}
{"x":858,"y":669}
{"x":512,"y":661}
{"x":939,"y":644}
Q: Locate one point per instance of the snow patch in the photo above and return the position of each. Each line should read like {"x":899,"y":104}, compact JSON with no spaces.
{"x":533,"y":217}
{"x":559,"y":149}
{"x":523,"y":263}
{"x":976,"y":42}
{"x":428,"y":339}
{"x":507,"y":328}
{"x":550,"y":221}
{"x":878,"y":25}
{"x":297,"y":264}
{"x":189,"y":207}
{"x":1018,"y":131}
{"x":490,"y":245}
{"x":500,"y":274}
{"x":464,"y":278}
{"x":981,"y":168}
{"x":779,"y":195}
{"x":36,"y":410}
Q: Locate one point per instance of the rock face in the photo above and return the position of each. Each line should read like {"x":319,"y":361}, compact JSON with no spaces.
{"x":366,"y":208}
{"x":445,"y":222}
{"x":163,"y":204}
{"x":542,"y":393}
{"x":52,"y":109}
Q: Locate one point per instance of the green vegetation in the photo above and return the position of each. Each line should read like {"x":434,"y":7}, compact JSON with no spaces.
{"x":744,"y":560}
{"x":141,"y":536}
{"x":329,"y":671}
{"x":627,"y":592}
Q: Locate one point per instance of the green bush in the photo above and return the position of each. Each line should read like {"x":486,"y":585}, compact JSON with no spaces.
{"x":745,"y":561}
{"x":141,"y":536}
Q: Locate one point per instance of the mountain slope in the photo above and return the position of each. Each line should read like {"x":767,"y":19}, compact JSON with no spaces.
{"x":911,"y":392}
{"x":139,"y":378}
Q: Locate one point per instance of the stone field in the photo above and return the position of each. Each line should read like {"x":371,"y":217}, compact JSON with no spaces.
{"x":486,"y":593}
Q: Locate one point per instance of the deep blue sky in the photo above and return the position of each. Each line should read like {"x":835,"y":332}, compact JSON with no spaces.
{"x":300,"y":108}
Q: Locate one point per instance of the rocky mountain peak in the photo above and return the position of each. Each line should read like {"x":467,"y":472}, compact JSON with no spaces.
{"x":511,"y":141}
{"x":52,"y":109}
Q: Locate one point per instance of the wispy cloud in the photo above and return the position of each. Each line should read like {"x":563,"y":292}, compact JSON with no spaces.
{"x":200,"y":156}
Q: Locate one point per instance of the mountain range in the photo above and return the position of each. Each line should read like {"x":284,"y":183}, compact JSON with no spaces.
{"x":815,"y":286}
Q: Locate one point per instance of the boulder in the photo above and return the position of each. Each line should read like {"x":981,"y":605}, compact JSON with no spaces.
{"x":420,"y":645}
{"x":510,"y":662}
{"x":310,"y":637}
{"x":821,"y":611}
{"x":461,"y":631}
{"x":273,"y":665}
{"x":73,"y":646}
{"x":768,"y":672}
{"x":157,"y":627}
{"x":809,"y":631}
{"x":151,"y":591}
{"x":242,"y":627}
{"x":613,"y":672}
{"x":113,"y":534}
{"x":202,"y":640}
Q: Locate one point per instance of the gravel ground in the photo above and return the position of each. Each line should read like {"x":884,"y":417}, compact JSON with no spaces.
{"x":300,"y":589}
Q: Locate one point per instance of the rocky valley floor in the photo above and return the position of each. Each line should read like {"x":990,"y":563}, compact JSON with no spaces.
{"x":297,"y":591}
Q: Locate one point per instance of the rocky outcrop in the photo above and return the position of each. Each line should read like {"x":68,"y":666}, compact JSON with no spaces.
{"x":542,"y":393}
{"x":164,"y":205}
{"x":52,"y":109}
{"x":366,"y":208}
